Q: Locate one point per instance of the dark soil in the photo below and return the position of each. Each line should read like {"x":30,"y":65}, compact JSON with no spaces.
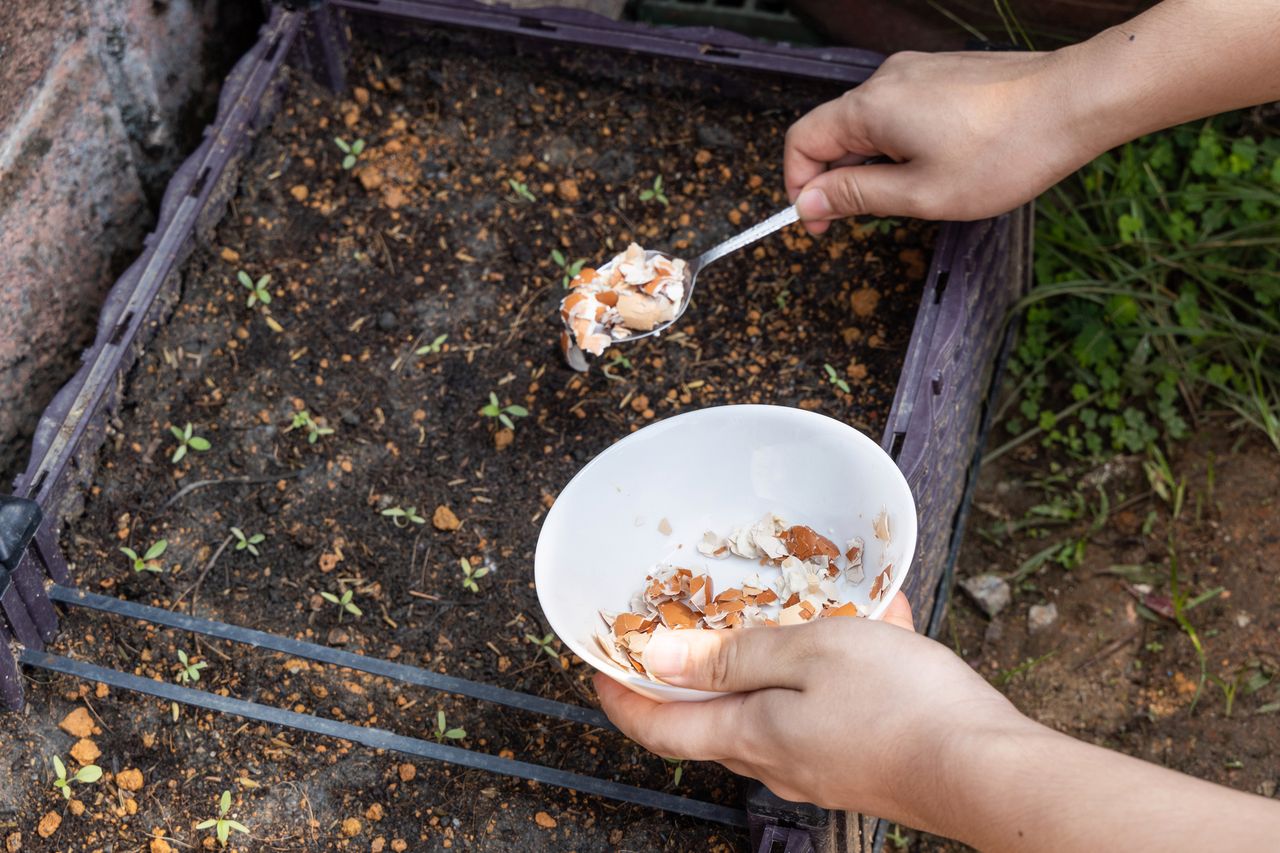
{"x":426,"y":237}
{"x":1112,"y":670}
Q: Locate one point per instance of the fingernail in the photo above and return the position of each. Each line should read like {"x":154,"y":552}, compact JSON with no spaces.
{"x":666,"y":655}
{"x":813,"y":204}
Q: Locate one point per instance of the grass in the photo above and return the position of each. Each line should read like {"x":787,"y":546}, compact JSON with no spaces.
{"x":1157,"y":295}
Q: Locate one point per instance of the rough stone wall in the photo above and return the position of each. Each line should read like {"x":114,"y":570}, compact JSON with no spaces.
{"x":99,"y":101}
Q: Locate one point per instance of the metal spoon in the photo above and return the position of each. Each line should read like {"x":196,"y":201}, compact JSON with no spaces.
{"x":577,"y":358}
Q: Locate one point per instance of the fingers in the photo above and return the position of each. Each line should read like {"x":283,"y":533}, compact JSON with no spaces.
{"x":730,"y":661}
{"x":899,"y":612}
{"x":694,"y":730}
{"x":888,"y":189}
{"x":822,"y":136}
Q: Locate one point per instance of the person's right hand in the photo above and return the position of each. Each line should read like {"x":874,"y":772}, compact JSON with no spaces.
{"x":971,"y":135}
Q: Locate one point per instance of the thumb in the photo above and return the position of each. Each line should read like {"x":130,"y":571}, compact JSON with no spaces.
{"x":730,"y":661}
{"x":886,"y":189}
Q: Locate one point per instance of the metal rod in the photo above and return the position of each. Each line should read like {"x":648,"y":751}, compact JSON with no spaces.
{"x":383,"y":739}
{"x":313,"y":651}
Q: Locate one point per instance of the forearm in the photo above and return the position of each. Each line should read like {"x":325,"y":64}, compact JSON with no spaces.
{"x":1039,"y":790}
{"x":1178,"y":61}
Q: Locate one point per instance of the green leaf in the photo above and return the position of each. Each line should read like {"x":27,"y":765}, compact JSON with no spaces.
{"x":89,"y":773}
{"x":177,"y":433}
{"x":440,"y":720}
{"x":205,"y":824}
{"x":156,"y":550}
{"x":348,"y":161}
{"x":130,"y":553}
{"x":245,"y":279}
{"x":179,"y":453}
{"x":558,"y":257}
{"x":357,"y":146}
{"x":238,"y":826}
{"x":351,"y":608}
{"x":342,"y":145}
{"x":506,"y":421}
{"x":224,"y":804}
{"x":224,"y":831}
{"x":59,"y":767}
{"x":346,"y":597}
{"x":518,"y":411}
{"x":256,"y":538}
{"x":330,"y":597}
{"x":456,"y":734}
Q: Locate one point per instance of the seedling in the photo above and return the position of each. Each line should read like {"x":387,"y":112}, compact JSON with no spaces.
{"x":247,"y":543}
{"x":223,"y":824}
{"x":834,"y":378}
{"x":402,"y":517}
{"x":570,"y":270}
{"x":443,"y":732}
{"x":504,"y":414}
{"x":654,"y":193}
{"x":544,"y":643}
{"x":149,"y":561}
{"x":257,"y":289}
{"x":433,"y":347}
{"x":678,"y":772}
{"x":351,"y":152}
{"x":344,"y":602}
{"x":314,"y":430}
{"x":187,"y":439}
{"x":188,"y":672}
{"x":470,"y":575}
{"x":521,"y":190}
{"x":85,"y":775}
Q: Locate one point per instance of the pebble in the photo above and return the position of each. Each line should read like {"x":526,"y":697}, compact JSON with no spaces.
{"x":351,"y":827}
{"x":407,"y":772}
{"x":545,"y":820}
{"x":77,"y":724}
{"x":445,"y":519}
{"x":387,"y":321}
{"x":989,"y":592}
{"x":715,"y":136}
{"x":85,"y":751}
{"x":130,"y":779}
{"x":1041,"y":616}
{"x":502,"y":438}
{"x":49,"y":824}
{"x":299,"y":192}
{"x":568,"y":191}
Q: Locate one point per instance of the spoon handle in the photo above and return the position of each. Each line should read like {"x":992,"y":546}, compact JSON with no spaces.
{"x":781,"y":219}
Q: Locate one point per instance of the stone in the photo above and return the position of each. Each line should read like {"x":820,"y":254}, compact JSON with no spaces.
{"x":299,"y":192}
{"x":351,"y":827}
{"x":78,"y":723}
{"x":13,"y":843}
{"x":387,"y":321}
{"x":544,"y":820}
{"x":568,"y":191}
{"x":864,"y":301}
{"x":159,"y":845}
{"x":502,"y":438}
{"x":85,"y":751}
{"x":374,"y":812}
{"x":444,"y":519}
{"x":49,"y":824}
{"x":407,"y":772}
{"x":1041,"y":616}
{"x":990,"y":592}
{"x":129,"y":779}
{"x":715,"y":136}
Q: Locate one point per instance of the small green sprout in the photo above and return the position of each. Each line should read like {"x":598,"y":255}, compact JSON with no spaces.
{"x":544,"y":643}
{"x":570,"y":270}
{"x":470,"y":575}
{"x":402,"y":517}
{"x":247,"y":543}
{"x":314,"y":430}
{"x":188,"y":672}
{"x":149,"y":561}
{"x":344,"y":602}
{"x":433,"y":347}
{"x":834,"y":378}
{"x":223,"y":824}
{"x":504,"y":414}
{"x":187,"y":439}
{"x":678,"y":772}
{"x":351,"y":153}
{"x":85,"y":775}
{"x":654,"y":193}
{"x":257,"y":289}
{"x":521,"y":190}
{"x":443,"y":732}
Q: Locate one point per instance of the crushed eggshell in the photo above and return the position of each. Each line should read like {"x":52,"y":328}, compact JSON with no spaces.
{"x":675,"y":598}
{"x":636,"y":291}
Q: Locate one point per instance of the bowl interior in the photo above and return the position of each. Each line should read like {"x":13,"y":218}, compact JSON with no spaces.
{"x":712,"y":469}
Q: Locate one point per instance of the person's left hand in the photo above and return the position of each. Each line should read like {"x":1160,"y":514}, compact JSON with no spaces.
{"x":844,"y":713}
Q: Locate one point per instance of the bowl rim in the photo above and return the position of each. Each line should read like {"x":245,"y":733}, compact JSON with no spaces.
{"x":635,"y":681}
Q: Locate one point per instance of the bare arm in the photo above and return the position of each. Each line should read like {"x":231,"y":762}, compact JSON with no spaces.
{"x":871,"y":717}
{"x":976,"y":134}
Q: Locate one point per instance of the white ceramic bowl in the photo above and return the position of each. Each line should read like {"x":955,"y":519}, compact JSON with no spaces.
{"x":712,"y":469}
